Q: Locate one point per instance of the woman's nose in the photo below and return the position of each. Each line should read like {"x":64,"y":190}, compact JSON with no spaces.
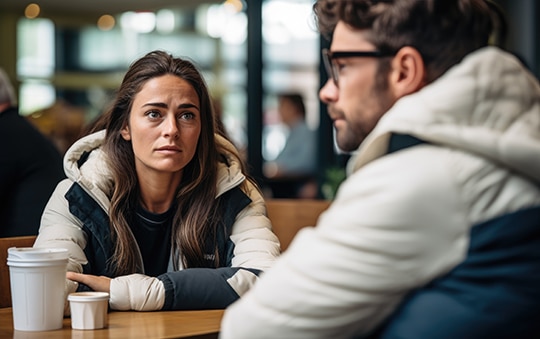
{"x":171,"y":126}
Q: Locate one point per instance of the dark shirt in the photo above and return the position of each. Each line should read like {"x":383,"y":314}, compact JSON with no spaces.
{"x":30,"y":168}
{"x":153,"y":234}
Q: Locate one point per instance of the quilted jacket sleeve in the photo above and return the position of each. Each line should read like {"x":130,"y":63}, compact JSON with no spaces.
{"x":386,"y":233}
{"x":59,"y":228}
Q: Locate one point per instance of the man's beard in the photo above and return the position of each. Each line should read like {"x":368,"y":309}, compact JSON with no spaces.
{"x":351,"y":137}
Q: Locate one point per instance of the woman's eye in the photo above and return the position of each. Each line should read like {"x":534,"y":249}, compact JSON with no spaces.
{"x":153,"y":114}
{"x":187,"y":116}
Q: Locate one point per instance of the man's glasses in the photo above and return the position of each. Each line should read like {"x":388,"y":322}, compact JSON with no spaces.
{"x":332,"y":67}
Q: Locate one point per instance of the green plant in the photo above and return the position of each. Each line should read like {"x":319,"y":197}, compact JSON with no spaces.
{"x":334,"y":176}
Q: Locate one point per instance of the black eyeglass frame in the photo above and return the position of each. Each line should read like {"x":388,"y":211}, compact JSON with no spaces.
{"x":331,"y":67}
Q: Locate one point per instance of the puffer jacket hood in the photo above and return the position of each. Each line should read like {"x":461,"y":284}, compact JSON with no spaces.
{"x":483,"y":106}
{"x":96,"y":178}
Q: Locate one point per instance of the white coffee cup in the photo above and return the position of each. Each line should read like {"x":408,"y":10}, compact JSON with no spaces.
{"x":88,"y":310}
{"x":37,"y":277}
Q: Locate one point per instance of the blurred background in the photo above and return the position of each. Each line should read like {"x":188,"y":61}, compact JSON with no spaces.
{"x":66,"y":58}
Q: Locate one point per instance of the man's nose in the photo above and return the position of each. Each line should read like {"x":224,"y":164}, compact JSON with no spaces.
{"x":329,"y":92}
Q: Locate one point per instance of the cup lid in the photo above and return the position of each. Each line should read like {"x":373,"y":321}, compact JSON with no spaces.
{"x":23,"y":254}
{"x":88,"y":296}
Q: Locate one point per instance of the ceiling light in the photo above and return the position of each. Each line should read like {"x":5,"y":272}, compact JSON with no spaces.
{"x":106,"y":22}
{"x":32,"y":11}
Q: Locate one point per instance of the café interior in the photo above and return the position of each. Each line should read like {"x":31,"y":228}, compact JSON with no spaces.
{"x":66,"y":58}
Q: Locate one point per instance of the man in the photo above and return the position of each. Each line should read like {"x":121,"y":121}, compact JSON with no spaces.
{"x":292,"y":173}
{"x":436,"y":231}
{"x":30,"y":168}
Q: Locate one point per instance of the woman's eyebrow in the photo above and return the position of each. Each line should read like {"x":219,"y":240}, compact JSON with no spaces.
{"x":163,"y":105}
{"x":187,"y":105}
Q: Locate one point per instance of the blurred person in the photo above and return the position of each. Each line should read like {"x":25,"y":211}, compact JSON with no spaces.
{"x":436,"y":231}
{"x":157,"y":208}
{"x":292,"y":173}
{"x":30,"y":168}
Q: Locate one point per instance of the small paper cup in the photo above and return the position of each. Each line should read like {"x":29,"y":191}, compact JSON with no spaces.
{"x":88,"y":310}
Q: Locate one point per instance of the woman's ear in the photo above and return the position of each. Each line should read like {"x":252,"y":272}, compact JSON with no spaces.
{"x":408,"y":72}
{"x":125,"y":133}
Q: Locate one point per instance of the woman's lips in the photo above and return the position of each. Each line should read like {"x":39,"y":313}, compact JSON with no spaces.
{"x":172,"y":149}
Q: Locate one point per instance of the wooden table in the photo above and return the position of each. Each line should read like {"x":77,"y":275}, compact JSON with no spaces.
{"x":163,"y":324}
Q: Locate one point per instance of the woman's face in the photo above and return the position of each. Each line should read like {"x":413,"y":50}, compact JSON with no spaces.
{"x":164,"y":126}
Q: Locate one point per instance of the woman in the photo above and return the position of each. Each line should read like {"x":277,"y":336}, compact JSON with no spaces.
{"x":156,"y":209}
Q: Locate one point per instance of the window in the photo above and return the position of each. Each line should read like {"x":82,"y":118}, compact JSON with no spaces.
{"x":35,"y":64}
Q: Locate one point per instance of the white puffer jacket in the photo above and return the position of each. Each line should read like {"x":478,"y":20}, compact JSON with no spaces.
{"x":255,"y":246}
{"x":404,"y":219}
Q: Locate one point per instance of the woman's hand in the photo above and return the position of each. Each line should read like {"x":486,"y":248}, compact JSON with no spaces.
{"x":100,"y":284}
{"x":129,"y":292}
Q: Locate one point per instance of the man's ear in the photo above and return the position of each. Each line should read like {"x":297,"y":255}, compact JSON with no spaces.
{"x":125,"y":133}
{"x":408,"y":72}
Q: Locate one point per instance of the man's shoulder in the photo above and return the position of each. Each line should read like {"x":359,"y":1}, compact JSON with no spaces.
{"x":412,"y":173}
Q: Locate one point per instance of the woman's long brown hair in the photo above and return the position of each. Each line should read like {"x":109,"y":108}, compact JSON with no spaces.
{"x":195,"y":219}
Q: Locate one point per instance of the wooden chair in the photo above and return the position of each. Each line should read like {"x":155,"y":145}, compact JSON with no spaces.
{"x":5,"y":243}
{"x":288,"y":216}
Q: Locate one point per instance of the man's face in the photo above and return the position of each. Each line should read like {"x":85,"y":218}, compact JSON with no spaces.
{"x":358,"y":101}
